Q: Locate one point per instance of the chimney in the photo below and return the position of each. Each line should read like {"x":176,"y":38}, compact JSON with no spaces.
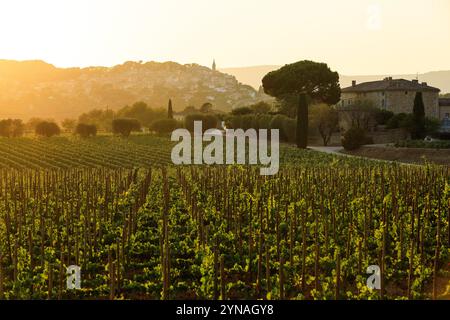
{"x":415,"y":81}
{"x":353,"y":83}
{"x":424,"y":84}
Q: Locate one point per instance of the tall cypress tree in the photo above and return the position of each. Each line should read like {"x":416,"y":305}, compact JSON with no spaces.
{"x":170,"y":110}
{"x":302,"y":122}
{"x":418,"y":117}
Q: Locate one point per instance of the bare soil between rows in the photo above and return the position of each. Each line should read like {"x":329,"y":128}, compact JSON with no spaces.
{"x":406,"y":155}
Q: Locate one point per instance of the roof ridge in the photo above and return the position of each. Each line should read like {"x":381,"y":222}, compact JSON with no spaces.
{"x":391,"y":85}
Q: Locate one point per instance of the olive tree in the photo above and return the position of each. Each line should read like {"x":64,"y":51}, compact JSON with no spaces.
{"x":124,"y":126}
{"x":325,"y":119}
{"x":47,"y":129}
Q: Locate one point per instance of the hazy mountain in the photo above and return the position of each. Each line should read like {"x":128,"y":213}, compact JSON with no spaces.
{"x":253,"y":76}
{"x":250,"y":75}
{"x":38,"y":89}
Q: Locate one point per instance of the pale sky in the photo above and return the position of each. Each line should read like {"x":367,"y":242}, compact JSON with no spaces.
{"x":352,"y":36}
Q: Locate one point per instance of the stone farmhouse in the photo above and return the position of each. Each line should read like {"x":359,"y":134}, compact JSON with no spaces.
{"x":396,"y":95}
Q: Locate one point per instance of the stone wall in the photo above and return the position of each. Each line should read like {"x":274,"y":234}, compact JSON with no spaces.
{"x":349,"y":98}
{"x":403,"y":102}
{"x":388,"y":136}
{"x":347,"y":117}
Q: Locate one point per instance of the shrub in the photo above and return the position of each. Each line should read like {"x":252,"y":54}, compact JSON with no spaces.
{"x":289,"y":129}
{"x":101,"y":118}
{"x":286,"y":126}
{"x":206,"y":107}
{"x":86,"y":130}
{"x":234,"y":122}
{"x":164,"y":126}
{"x":383,"y":116}
{"x":69,"y":124}
{"x":209,"y":121}
{"x":278,"y":123}
{"x":17,"y":128}
{"x":261,"y":107}
{"x":11,"y":128}
{"x":443,"y":135}
{"x":394,"y":122}
{"x":125,"y":126}
{"x":409,"y":123}
{"x":354,"y":138}
{"x":264,"y":121}
{"x":140,"y":111}
{"x":248,"y":122}
{"x":437,"y":144}
{"x":220,"y":116}
{"x":242,"y":111}
{"x":47,"y":129}
{"x":432,"y":126}
{"x":254,"y":122}
{"x":368,"y":140}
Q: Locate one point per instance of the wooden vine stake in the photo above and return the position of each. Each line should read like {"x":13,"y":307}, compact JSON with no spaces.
{"x":338,"y":275}
{"x":268,"y":285}
{"x":1,"y":277}
{"x":165,"y":237}
{"x":50,"y":281}
{"x":281,"y":278}
{"x":437,"y":251}
{"x":111,"y":275}
{"x":222,"y":279}
{"x":216,"y":276}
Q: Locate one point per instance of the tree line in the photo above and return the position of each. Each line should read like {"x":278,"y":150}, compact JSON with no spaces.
{"x":129,"y":119}
{"x":306,"y":94}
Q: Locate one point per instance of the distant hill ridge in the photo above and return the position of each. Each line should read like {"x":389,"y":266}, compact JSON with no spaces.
{"x":253,"y":75}
{"x":38,"y":89}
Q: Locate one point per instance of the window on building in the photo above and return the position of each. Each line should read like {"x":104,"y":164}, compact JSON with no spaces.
{"x":406,"y":92}
{"x":447,"y":116}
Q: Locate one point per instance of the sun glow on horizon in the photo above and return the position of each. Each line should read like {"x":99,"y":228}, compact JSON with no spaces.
{"x":401,"y":37}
